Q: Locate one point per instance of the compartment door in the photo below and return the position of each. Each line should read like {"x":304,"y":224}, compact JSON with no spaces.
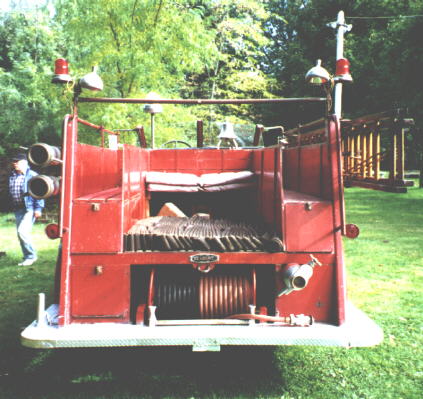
{"x":309,"y":227}
{"x":100,"y":293}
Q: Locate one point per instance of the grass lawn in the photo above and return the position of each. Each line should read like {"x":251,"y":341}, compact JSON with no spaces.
{"x":384,"y":266}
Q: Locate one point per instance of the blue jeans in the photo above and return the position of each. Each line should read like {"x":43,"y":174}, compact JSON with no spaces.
{"x":24,"y":222}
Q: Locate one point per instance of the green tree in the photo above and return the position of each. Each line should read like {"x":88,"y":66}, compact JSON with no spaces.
{"x":237,"y":71}
{"x":140,"y":46}
{"x":27,"y":51}
{"x":188,"y":48}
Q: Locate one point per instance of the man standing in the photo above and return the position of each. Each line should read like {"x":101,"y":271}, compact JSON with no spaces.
{"x":26,"y":208}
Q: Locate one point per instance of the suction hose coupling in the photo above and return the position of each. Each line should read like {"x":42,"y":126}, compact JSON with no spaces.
{"x":41,"y":154}
{"x":296,"y":277}
{"x":42,"y":186}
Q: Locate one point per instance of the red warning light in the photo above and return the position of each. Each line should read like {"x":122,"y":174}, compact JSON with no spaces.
{"x":61,"y":72}
{"x":61,"y":67}
{"x":343,"y":70}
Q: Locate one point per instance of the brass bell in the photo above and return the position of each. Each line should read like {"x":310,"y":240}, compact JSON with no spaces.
{"x":228,"y":135}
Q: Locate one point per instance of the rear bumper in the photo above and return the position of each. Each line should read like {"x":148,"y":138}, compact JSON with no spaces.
{"x":358,"y":331}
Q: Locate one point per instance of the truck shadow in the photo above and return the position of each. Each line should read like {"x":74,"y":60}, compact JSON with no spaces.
{"x":149,"y":372}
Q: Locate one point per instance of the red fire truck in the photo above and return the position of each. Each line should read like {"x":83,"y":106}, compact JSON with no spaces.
{"x":201,"y":247}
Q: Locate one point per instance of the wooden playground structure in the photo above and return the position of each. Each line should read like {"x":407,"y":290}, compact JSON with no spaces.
{"x":368,"y":144}
{"x":373,"y":140}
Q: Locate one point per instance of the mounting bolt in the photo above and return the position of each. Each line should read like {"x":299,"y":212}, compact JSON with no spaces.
{"x":95,"y":207}
{"x":98,"y":270}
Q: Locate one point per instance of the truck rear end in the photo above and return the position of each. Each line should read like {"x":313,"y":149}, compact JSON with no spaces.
{"x":201,"y":247}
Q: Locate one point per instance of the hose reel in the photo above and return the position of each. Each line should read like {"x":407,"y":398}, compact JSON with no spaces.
{"x":184,"y":293}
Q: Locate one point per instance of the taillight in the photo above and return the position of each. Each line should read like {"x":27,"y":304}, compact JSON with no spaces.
{"x":52,"y":231}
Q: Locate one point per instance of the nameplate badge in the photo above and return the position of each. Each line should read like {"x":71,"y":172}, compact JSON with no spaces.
{"x":204,"y":258}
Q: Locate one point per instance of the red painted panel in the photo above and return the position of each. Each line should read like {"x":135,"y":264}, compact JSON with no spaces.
{"x":105,"y":195}
{"x":96,"y":230}
{"x":234,"y":160}
{"x":291,"y":168}
{"x":163,"y":160}
{"x":183,"y":258}
{"x":101,"y":292}
{"x":268,"y":186}
{"x":133,"y":210}
{"x":256,"y":161}
{"x":257,"y":169}
{"x":96,"y":169}
{"x":310,"y":170}
{"x":187,"y":161}
{"x":309,"y":230}
{"x":209,"y":161}
{"x":317,"y":299}
{"x":199,"y":161}
{"x":135,"y":164}
{"x":326,"y":174}
{"x":132,"y":170}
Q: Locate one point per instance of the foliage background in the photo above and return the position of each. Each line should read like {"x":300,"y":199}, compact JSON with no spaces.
{"x":205,"y":49}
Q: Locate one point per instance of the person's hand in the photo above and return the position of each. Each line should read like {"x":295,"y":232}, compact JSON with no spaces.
{"x":37,"y":214}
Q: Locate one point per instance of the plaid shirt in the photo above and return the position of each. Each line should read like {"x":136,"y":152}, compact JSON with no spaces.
{"x":16,"y":189}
